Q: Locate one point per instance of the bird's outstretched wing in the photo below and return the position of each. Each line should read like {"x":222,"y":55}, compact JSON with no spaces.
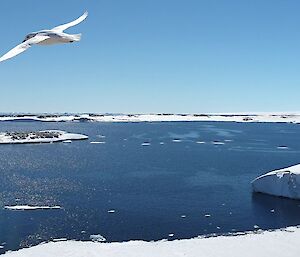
{"x":23,"y":47}
{"x":63,"y":27}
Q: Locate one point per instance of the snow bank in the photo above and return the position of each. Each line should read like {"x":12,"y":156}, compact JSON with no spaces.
{"x":46,"y":136}
{"x":275,"y":244}
{"x":284,"y":182}
{"x":28,"y":207}
{"x":259,"y":117}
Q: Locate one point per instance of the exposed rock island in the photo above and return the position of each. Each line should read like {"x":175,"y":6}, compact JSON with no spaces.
{"x":46,"y":136}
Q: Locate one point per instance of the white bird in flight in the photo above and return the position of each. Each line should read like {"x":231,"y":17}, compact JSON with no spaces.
{"x":46,"y":37}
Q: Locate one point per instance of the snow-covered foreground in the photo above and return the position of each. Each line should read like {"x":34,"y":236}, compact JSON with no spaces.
{"x":284,"y":182}
{"x":275,"y":244}
{"x":47,"y":136}
{"x":266,"y":117}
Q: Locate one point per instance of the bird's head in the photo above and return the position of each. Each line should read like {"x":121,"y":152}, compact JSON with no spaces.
{"x":31,"y":35}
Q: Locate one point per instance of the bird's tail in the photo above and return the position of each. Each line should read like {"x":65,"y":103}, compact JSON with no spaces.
{"x":76,"y":37}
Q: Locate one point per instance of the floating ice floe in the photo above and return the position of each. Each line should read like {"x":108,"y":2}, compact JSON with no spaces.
{"x":171,"y":235}
{"x":97,"y":142}
{"x":284,"y":182}
{"x":97,"y":238}
{"x":46,"y":136}
{"x":146,"y":144}
{"x":111,"y":211}
{"x":200,"y":142}
{"x":28,"y":207}
{"x":207,"y":215}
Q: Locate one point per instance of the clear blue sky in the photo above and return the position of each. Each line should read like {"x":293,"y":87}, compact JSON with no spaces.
{"x":138,"y":56}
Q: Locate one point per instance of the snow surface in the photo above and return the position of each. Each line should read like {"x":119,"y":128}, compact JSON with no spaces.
{"x":62,"y":137}
{"x":275,"y":244}
{"x":235,"y":117}
{"x":28,"y":207}
{"x":284,"y":182}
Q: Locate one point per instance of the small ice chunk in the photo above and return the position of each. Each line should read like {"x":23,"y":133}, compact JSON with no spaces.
{"x":200,"y":142}
{"x":177,"y":140}
{"x":97,"y":238}
{"x":97,"y":142}
{"x":207,"y":215}
{"x":272,"y":210}
{"x":183,"y":216}
{"x":59,"y":239}
{"x":146,"y":144}
{"x":111,"y":211}
{"x":161,"y":143}
{"x":67,"y":141}
{"x":171,"y":235}
{"x":256,"y":226}
{"x":218,"y":143}
{"x":282,"y":147}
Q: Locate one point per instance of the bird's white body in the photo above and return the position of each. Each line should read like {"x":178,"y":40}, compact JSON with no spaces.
{"x":47,"y":37}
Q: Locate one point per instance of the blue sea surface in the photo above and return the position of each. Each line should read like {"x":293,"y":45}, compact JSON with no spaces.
{"x":175,"y":184}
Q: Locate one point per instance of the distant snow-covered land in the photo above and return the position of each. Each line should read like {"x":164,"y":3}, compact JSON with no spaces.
{"x":276,"y":244}
{"x":265,"y":117}
{"x":46,"y":136}
{"x":283,"y":182}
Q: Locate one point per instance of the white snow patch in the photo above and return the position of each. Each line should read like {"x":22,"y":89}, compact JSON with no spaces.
{"x":28,"y":207}
{"x":283,"y":182}
{"x":260,"y":244}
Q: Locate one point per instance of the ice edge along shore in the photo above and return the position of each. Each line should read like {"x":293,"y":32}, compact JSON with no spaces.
{"x":262,"y":244}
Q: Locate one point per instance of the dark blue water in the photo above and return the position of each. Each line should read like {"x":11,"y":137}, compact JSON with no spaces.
{"x":149,"y":187}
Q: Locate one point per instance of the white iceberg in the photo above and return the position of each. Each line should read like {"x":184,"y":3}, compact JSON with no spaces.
{"x":284,"y":182}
